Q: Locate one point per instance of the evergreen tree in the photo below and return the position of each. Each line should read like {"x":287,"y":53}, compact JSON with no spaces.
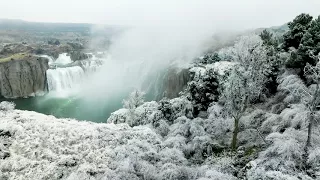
{"x":297,"y":29}
{"x":267,"y":38}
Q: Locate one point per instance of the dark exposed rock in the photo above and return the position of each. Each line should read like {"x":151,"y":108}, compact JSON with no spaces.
{"x":4,"y":155}
{"x":5,"y":133}
{"x":175,"y":81}
{"x":10,"y":49}
{"x":24,"y":77}
{"x":77,"y":55}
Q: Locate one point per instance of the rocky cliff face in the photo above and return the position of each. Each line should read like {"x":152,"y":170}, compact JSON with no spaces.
{"x":167,"y":84}
{"x":24,"y":77}
{"x":175,"y":80}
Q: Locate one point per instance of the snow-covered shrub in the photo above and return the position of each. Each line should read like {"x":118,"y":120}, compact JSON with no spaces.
{"x":6,"y":106}
{"x":135,"y":99}
{"x":200,"y":148}
{"x":276,"y":104}
{"x":174,"y":108}
{"x":271,"y":124}
{"x":132,"y":113}
{"x":260,"y":173}
{"x":172,"y":155}
{"x":197,"y":128}
{"x":294,"y":85}
{"x":295,"y":117}
{"x":285,"y":152}
{"x":119,"y":116}
{"x":162,"y":127}
{"x":178,"y":142}
{"x":181,"y":126}
{"x":314,"y":160}
{"x":222,"y":162}
{"x":203,"y":91}
{"x":208,"y":172}
{"x":253,"y":119}
{"x":143,"y":112}
{"x":171,"y":171}
{"x":181,"y":107}
{"x":210,"y":58}
{"x":141,"y":115}
{"x":218,"y":125}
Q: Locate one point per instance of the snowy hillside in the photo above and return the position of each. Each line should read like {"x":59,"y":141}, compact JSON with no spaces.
{"x":36,"y":146}
{"x":248,"y":111}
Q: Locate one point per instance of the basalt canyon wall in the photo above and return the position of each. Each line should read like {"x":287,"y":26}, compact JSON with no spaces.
{"x":24,"y":77}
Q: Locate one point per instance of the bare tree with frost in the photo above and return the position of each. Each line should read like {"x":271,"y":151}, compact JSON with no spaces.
{"x":247,"y":79}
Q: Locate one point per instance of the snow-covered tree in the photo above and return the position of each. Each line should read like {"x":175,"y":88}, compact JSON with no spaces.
{"x":302,"y":41}
{"x":135,"y":99}
{"x":310,"y":97}
{"x":203,"y":91}
{"x":246,"y":80}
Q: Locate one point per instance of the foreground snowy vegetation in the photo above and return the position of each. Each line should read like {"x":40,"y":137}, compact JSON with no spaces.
{"x":36,"y":146}
{"x":250,"y":112}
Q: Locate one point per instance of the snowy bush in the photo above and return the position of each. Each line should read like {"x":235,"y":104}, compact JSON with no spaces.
{"x":162,"y":127}
{"x":6,"y":106}
{"x":119,"y":116}
{"x":174,"y":108}
{"x":223,"y":162}
{"x":285,"y":152}
{"x":271,"y":124}
{"x":181,"y":126}
{"x":170,"y":171}
{"x":294,"y":85}
{"x":43,"y":147}
{"x":204,"y":91}
{"x":218,"y":125}
{"x":135,"y":99}
{"x":141,"y":115}
{"x":210,"y":173}
{"x":178,"y":142}
{"x":314,"y":161}
{"x":260,"y":173}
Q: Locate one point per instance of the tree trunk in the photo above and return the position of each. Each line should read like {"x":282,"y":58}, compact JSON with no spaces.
{"x":235,"y":134}
{"x":308,"y":144}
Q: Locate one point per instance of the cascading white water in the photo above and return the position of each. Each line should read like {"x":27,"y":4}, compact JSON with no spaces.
{"x":62,"y":79}
{"x":63,"y":59}
{"x":91,"y":66}
{"x":48,"y":57}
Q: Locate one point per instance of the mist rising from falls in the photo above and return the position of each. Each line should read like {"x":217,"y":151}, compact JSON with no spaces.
{"x":91,"y":66}
{"x":63,"y":59}
{"x":62,"y":79}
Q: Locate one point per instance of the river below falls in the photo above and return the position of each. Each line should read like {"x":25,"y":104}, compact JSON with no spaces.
{"x":96,"y":110}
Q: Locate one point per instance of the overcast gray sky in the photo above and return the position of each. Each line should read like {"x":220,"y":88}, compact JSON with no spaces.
{"x":240,"y":13}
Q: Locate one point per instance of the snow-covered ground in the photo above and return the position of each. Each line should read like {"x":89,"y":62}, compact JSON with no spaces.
{"x":37,"y":146}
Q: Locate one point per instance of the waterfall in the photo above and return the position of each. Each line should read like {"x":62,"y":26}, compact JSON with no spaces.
{"x":90,"y":66}
{"x":60,"y":79}
{"x":63,"y":59}
{"x":48,"y":57}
